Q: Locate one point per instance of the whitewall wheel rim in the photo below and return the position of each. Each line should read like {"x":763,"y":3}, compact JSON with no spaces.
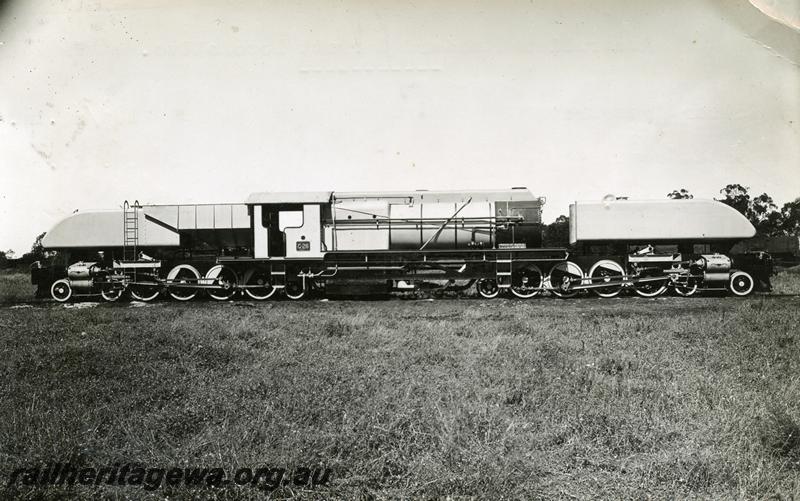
{"x":183,"y":273}
{"x":61,"y":291}
{"x":294,"y":291}
{"x":111,"y":295}
{"x":226,"y":277}
{"x":138,"y":292}
{"x":260,"y":278}
{"x":487,"y":288}
{"x":556,"y":278}
{"x":528,"y":289}
{"x":741,"y":283}
{"x":603,"y":271}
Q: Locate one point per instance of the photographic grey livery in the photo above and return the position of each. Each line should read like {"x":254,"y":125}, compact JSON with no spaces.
{"x":379,"y":242}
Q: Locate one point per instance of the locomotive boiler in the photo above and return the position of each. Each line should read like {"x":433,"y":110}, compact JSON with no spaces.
{"x":293,"y":244}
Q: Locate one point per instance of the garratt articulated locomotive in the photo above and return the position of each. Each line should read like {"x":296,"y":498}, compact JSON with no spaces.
{"x":362,"y":243}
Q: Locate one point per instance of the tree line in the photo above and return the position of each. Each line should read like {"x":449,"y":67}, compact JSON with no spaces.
{"x":761,"y":210}
{"x":8,"y":258}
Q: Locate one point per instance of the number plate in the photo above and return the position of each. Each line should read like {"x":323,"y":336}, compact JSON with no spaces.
{"x":304,"y":245}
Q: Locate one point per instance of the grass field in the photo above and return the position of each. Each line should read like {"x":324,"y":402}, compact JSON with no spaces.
{"x":622,"y":398}
{"x":787,"y":281}
{"x":15,"y":287}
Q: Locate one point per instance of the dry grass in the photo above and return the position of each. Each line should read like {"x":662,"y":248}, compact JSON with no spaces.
{"x":15,"y":287}
{"x":787,"y":282}
{"x":625,"y":398}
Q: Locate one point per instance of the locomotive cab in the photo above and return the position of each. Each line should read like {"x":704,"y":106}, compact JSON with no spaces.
{"x":288,"y":225}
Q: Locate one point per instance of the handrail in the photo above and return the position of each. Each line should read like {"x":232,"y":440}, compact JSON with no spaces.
{"x":438,"y":231}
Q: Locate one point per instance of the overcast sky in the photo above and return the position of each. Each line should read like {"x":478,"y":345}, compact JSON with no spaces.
{"x":206,"y":101}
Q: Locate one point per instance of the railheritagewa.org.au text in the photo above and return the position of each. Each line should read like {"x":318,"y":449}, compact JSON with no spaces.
{"x":152,"y":478}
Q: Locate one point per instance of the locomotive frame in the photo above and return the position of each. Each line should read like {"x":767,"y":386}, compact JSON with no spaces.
{"x":366,"y":243}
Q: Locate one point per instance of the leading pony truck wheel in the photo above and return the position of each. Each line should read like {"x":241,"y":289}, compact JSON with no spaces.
{"x":61,"y":291}
{"x":741,"y":283}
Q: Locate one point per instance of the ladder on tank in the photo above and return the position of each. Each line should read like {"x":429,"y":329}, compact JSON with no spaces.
{"x":130,"y":237}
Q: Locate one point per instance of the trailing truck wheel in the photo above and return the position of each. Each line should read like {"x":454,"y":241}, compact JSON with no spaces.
{"x":61,"y":291}
{"x":144,"y":293}
{"x":487,"y":288}
{"x":606,"y":271}
{"x":562,"y":277}
{"x":183,"y":274}
{"x":111,"y":294}
{"x":527,"y":282}
{"x":741,"y":283}
{"x":264,"y":289}
{"x":294,"y":291}
{"x":224,"y":279}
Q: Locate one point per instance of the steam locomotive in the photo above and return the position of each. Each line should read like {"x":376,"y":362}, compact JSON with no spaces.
{"x":335,"y":243}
